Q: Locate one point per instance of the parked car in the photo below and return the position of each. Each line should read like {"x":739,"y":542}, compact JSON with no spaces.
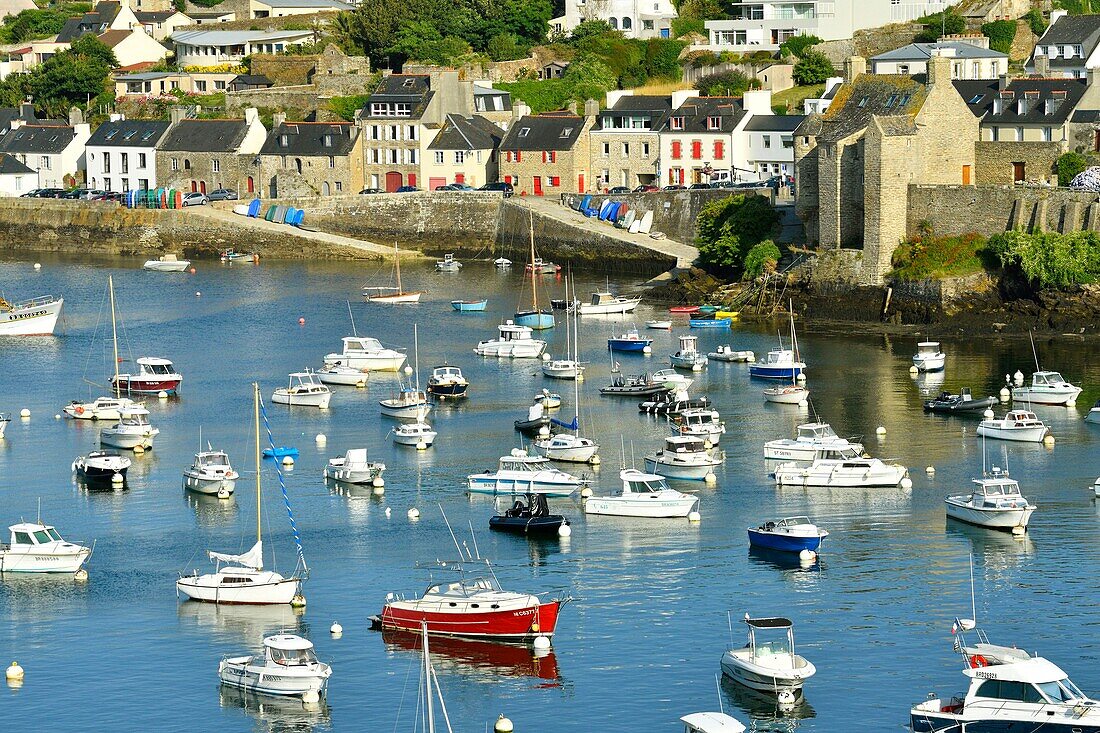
{"x":646,"y":188}
{"x":699,"y":186}
{"x":32,"y":194}
{"x":72,"y":194}
{"x":370,"y":190}
{"x":89,"y":194}
{"x":723,"y":184}
{"x":675,"y":187}
{"x":501,"y":186}
{"x":222,"y":194}
{"x":462,"y":187}
{"x":406,"y":189}
{"x":108,"y":196}
{"x":195,"y":198}
{"x":619,"y":189}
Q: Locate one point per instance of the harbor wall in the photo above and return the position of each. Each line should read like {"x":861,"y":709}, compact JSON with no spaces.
{"x":988,"y":210}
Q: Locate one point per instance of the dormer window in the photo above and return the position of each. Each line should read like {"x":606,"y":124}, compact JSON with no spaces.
{"x":408,"y":82}
{"x":863,"y":102}
{"x":524,"y":131}
{"x":676,"y":123}
{"x":714,"y":123}
{"x":891,"y":100}
{"x":327,"y":141}
{"x":284,"y":141}
{"x":976,"y":99}
{"x":566,"y":132}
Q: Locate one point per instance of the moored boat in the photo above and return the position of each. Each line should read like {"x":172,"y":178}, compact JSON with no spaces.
{"x":964,"y":401}
{"x":659,"y":325}
{"x":773,"y":667}
{"x":469,"y":306}
{"x":167,"y":263}
{"x":995,"y":503}
{"x":1094,"y":414}
{"x":288,"y":667}
{"x":791,"y":394}
{"x":809,"y":439}
{"x":709,"y":323}
{"x":154,"y":376}
{"x":1047,"y":388}
{"x":520,"y":473}
{"x":633,"y":385}
{"x":211,"y":473}
{"x":339,"y":374}
{"x":304,"y":390}
{"x":355,"y":468}
{"x":1017,"y":425}
{"x":448,"y":263}
{"x":536,"y":420}
{"x":644,"y":495}
{"x":418,"y":434}
{"x":728,"y":353}
{"x":688,"y":356}
{"x":629,"y":341}
{"x":929,"y":357}
{"x":34,"y":547}
{"x":673,"y":403}
{"x":700,"y":423}
{"x":447,"y":381}
{"x":407,"y":404}
{"x":131,"y":431}
{"x":791,"y":534}
{"x":531,"y":518}
{"x":514,"y":342}
{"x":684,"y":457}
{"x":102,"y":408}
{"x":395,"y":295}
{"x":840,"y":473}
{"x":35,"y":317}
{"x":604,"y":303}
{"x":362,"y":352}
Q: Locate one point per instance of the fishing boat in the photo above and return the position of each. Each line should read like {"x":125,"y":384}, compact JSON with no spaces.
{"x":520,"y":473}
{"x":840,"y":473}
{"x":448,"y":263}
{"x":643,"y":495}
{"x":539,"y":266}
{"x":673,"y":403}
{"x":631,"y":341}
{"x":395,"y":295}
{"x":929,"y":357}
{"x":288,"y":667}
{"x":792,"y":394}
{"x":355,"y":468}
{"x":303,"y":390}
{"x":338,"y":374}
{"x":671,"y":379}
{"x":1092,"y":417}
{"x":513,"y":341}
{"x":659,"y":325}
{"x":154,"y":376}
{"x":418,"y":434}
{"x":411,"y":403}
{"x":34,"y":547}
{"x":167,"y":263}
{"x":792,"y":534}
{"x":605,"y":303}
{"x":1018,"y":425}
{"x":534,"y":317}
{"x":101,"y":467}
{"x":1047,"y":388}
{"x":232,"y":255}
{"x":34,"y":317}
{"x":108,"y":409}
{"x":962,"y":402}
{"x":502,"y":263}
{"x":688,"y":356}
{"x":536,"y":422}
{"x":363,"y":352}
{"x":131,"y":431}
{"x":241,"y":579}
{"x":570,"y":447}
{"x":684,"y":457}
{"x":810,"y":438}
{"x":995,"y":503}
{"x":700,"y":423}
{"x":772,"y":667}
{"x":709,"y":322}
{"x":469,"y":306}
{"x":778,"y":364}
{"x":211,"y":474}
{"x":531,"y":518}
{"x":728,"y":353}
{"x":633,"y":385}
{"x":447,"y":381}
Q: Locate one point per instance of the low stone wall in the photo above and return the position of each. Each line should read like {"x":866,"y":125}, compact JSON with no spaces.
{"x":988,"y":210}
{"x":994,"y":162}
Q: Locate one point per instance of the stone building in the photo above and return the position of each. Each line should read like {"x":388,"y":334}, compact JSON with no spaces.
{"x":626,"y":140}
{"x":463,"y":151}
{"x":550,"y":153}
{"x":301,"y":159}
{"x":880,"y":135}
{"x":203,"y":155}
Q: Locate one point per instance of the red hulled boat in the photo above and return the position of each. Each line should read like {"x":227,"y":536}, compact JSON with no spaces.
{"x":154,"y":376}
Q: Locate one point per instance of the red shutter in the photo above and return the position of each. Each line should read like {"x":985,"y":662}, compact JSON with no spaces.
{"x":555,"y":181}
{"x":412,"y":180}
{"x":675,"y":149}
{"x":696,"y":149}
{"x":543,"y":156}
{"x":519,"y":156}
{"x":719,"y":150}
{"x":681,"y":174}
{"x":553,"y":156}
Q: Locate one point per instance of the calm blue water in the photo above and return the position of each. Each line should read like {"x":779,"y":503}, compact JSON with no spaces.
{"x":640,"y":645}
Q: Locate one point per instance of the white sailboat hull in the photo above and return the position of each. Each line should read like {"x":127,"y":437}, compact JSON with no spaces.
{"x":347,"y":378}
{"x":1022,"y":435}
{"x":354,"y":475}
{"x":624,"y":306}
{"x":427,"y":438}
{"x":695,"y":471}
{"x":162,"y":266}
{"x":128,"y":439}
{"x":395,"y":298}
{"x":405,"y":412}
{"x":275,"y":590}
{"x":208,"y":485}
{"x":641,"y":506}
{"x":531,"y":349}
{"x":787,"y":395}
{"x":993,"y":518}
{"x":31,"y":319}
{"x":563,"y":370}
{"x":737,"y":666}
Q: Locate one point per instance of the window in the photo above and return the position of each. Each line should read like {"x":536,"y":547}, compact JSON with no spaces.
{"x":106,"y":162}
{"x":339,"y":186}
{"x":1019,"y":134}
{"x":1048,"y":134}
{"x":460,"y":157}
{"x":200,"y":86}
{"x":606,"y":149}
{"x":219,"y":86}
{"x":524,"y":131}
{"x":125,"y":184}
{"x":44,"y":162}
{"x":187,"y":164}
{"x":375,"y":133}
{"x":676,"y":123}
{"x":696,"y":149}
{"x":626,"y":150}
{"x":645,"y":149}
{"x":975,"y":99}
{"x":439,"y":157}
{"x":174,"y":164}
{"x":331,"y":161}
{"x":555,"y":180}
{"x":125,"y":162}
{"x":903,"y":69}
{"x":676,"y":150}
{"x":566,"y":132}
{"x":766,"y":141}
{"x":519,"y":156}
{"x":414,"y":158}
{"x":714,"y":123}
{"x":107,"y":184}
{"x":1006,"y":690}
{"x":327,"y":141}
{"x":626,"y":23}
{"x":141,"y":160}
{"x":216,"y":165}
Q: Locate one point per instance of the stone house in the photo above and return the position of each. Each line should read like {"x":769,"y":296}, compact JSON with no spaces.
{"x":550,"y":153}
{"x":704,"y":139}
{"x":54,"y":152}
{"x":1069,"y":47}
{"x":882,"y":134}
{"x":463,"y":151}
{"x":971,"y":58}
{"x":121,"y":154}
{"x":301,"y":159}
{"x":203,"y":155}
{"x":626,"y":140}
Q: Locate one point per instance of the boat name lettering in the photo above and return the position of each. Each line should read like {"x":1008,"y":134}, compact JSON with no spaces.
{"x":525,"y":612}
{"x":986,"y":675}
{"x":21,"y":316}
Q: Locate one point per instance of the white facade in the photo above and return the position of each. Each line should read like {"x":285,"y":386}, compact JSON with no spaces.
{"x":51,"y":167}
{"x":763,"y":25}
{"x":212,"y":48}
{"x":17,"y":184}
{"x":635,"y":18}
{"x":699,"y":156}
{"x":967,"y":61}
{"x":771,"y":152}
{"x":121,"y":168}
{"x":818,"y":105}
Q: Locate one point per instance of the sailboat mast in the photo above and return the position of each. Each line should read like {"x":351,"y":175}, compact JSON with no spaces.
{"x":114,"y":329}
{"x":794,"y":345}
{"x":416,"y":359}
{"x":397,"y":266}
{"x":534,"y":278}
{"x":256,"y":410}
{"x":429,"y":708}
{"x":571,"y":295}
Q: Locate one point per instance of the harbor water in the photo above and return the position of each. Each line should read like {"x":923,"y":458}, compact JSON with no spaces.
{"x":653,"y":600}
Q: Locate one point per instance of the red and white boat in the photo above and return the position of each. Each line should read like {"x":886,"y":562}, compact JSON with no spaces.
{"x":154,"y":376}
{"x":474,"y":606}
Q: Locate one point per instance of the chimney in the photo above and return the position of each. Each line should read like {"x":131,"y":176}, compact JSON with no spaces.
{"x":572,"y":106}
{"x":1002,"y":82}
{"x":177,"y":114}
{"x":251,"y":115}
{"x":939,"y":70}
{"x":520,"y":109}
{"x":1056,"y":14}
{"x":1042,"y":66}
{"x":757,"y":102}
{"x":76,"y":117}
{"x":591,"y":108}
{"x":26,"y":112}
{"x":853,"y":67}
{"x":681,"y":96}
{"x":278,"y":118}
{"x":614,"y":96}
{"x":117,"y":117}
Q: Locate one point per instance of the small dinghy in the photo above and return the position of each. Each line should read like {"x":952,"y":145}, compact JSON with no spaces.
{"x":659,"y":325}
{"x":684,"y":309}
{"x":531,"y":518}
{"x":537,"y":419}
{"x":709,"y":322}
{"x":303,"y":390}
{"x":995,"y":503}
{"x":448,"y":263}
{"x":502,"y":263}
{"x":38,"y":548}
{"x":101,"y":467}
{"x":417,"y":434}
{"x":711,"y":723}
{"x":957,"y":403}
{"x":288,"y":667}
{"x":727,"y":353}
{"x":793,"y":534}
{"x":232,"y":255}
{"x":1092,"y":417}
{"x":773,"y":667}
{"x":339,"y":374}
{"x":1018,"y":425}
{"x":791,"y":394}
{"x":211,"y":474}
{"x":281,"y":451}
{"x":354,"y":468}
{"x":549,"y":400}
{"x":469,"y":306}
{"x":167,"y":263}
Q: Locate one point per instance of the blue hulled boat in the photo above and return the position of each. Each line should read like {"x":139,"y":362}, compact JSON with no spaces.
{"x":629,"y":341}
{"x":793,"y":534}
{"x":779,"y":364}
{"x":464,"y":306}
{"x":709,"y":322}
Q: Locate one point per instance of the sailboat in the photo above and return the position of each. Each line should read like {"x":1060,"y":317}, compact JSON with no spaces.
{"x":570,"y":367}
{"x":534,"y":318}
{"x":792,"y":394}
{"x":241,"y":579}
{"x":419,"y":432}
{"x":409,"y":404}
{"x":393,"y":295}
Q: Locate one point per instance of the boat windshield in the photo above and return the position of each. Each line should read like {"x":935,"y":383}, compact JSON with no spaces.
{"x":212,"y":459}
{"x":41,"y":537}
{"x":645,"y":487}
{"x":1047,"y":378}
{"x":1061,"y":691}
{"x":780,"y":357}
{"x":54,"y":535}
{"x":793,"y":522}
{"x":292,"y":657}
{"x":464,"y":587}
{"x":520,"y":464}
{"x":158,"y":368}
{"x":816,"y":432}
{"x":362,"y":344}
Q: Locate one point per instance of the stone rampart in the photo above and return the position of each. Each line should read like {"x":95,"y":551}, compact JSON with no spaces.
{"x":988,"y":210}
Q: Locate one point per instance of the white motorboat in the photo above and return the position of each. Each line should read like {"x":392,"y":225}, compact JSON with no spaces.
{"x":303,"y":390}
{"x":408,"y":404}
{"x":338,"y":374}
{"x":520,"y":473}
{"x":700,"y":423}
{"x":354,"y":468}
{"x":1017,"y":425}
{"x":809,"y":439}
{"x":448,"y":263}
{"x":840,"y":473}
{"x":363,"y":352}
{"x":415,"y":434}
{"x":771,"y":667}
{"x":502,"y":263}
{"x":101,"y":408}
{"x":995,"y":503}
{"x":791,"y":394}
{"x":688,"y":357}
{"x":102,"y":467}
{"x":643,"y":495}
{"x":288,"y":667}
{"x":167,"y":263}
{"x":4,"y":420}
{"x":563,"y":369}
{"x":671,"y":379}
{"x":515,"y":342}
{"x":1047,"y":388}
{"x":154,"y":376}
{"x":659,"y":325}
{"x":604,"y":303}
{"x":711,"y":723}
{"x":728,"y":353}
{"x":684,"y":457}
{"x":549,"y":400}
{"x":447,"y":381}
{"x":211,"y":473}
{"x":37,"y":548}
{"x":131,"y":431}
{"x":35,"y":317}
{"x":396,"y":294}
{"x":778,"y":364}
{"x":1096,"y":487}
{"x":929,"y":357}
{"x":1094,"y":414}
{"x":568,"y":448}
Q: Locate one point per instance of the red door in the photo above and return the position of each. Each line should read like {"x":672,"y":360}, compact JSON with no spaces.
{"x":251,"y":185}
{"x":202,"y":186}
{"x":580,"y":183}
{"x":393,"y":181}
{"x":194,"y":187}
{"x":434,"y":183}
{"x":538,"y":185}
{"x":412,"y":179}
{"x":460,"y":177}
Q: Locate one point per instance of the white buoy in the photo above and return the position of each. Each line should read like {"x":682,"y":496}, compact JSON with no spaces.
{"x":694,"y":517}
{"x":565,"y":530}
{"x":586,"y":492}
{"x":414,"y":513}
{"x":786,"y":698}
{"x":595,"y":461}
{"x":38,"y":265}
{"x":1005,"y":394}
{"x":1071,"y":403}
{"x":546,"y":357}
{"x":1018,"y":531}
{"x":117,"y":478}
{"x":710,"y":479}
{"x":320,"y":438}
{"x":139,"y":450}
{"x":880,"y":430}
{"x":14,"y":672}
{"x":801,"y":378}
{"x":907,"y":483}
{"x":162,"y":395}
{"x":804,"y":403}
{"x":311,"y":696}
{"x":57,"y":417}
{"x":647,"y":349}
{"x":378,"y":490}
{"x":224,"y":493}
{"x":1018,"y":378}
{"x":807,"y":555}
{"x":988,"y":414}
{"x":336,"y":628}
{"x":930,"y":470}
{"x":1048,"y":441}
{"x":198,"y":294}
{"x":408,"y":370}
{"x":541,"y":642}
{"x":288,"y":460}
{"x":388,"y":512}
{"x":914,"y":371}
{"x":24,"y":413}
{"x":298,"y":601}
{"x":377,"y":482}
{"x":80,"y":575}
{"x":360,"y":385}
{"x":544,"y":431}
{"x":422,"y":445}
{"x":503,"y":725}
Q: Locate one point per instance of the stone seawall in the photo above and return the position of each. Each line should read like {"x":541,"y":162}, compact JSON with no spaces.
{"x":990,"y":210}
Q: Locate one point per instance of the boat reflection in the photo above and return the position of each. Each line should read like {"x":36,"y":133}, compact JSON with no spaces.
{"x":930,"y":383}
{"x":276,"y":714}
{"x":481,"y":660}
{"x":767,"y":557}
{"x":210,"y":511}
{"x":248,"y":623}
{"x":997,"y":548}
{"x":766,"y":712}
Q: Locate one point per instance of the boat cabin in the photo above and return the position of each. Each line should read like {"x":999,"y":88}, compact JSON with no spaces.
{"x":447,"y":374}
{"x":1032,"y":680}
{"x":816,"y":431}
{"x":523,"y":463}
{"x":636,"y":482}
{"x":711,"y":723}
{"x":361,"y":345}
{"x":779,"y":356}
{"x":288,"y":650}
{"x":684,"y":444}
{"x":928,"y":348}
{"x":997,"y":490}
{"x":694,"y":418}
{"x":212,"y":459}
{"x":1047,"y":379}
{"x":29,"y":534}
{"x":688,"y":345}
{"x":467,"y":585}
{"x":775,"y":652}
{"x":155,"y":366}
{"x":509,"y":331}
{"x":301,"y":382}
{"x":1022,"y":419}
{"x":133,"y":415}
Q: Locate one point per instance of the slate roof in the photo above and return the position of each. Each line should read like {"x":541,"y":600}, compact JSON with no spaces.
{"x":38,"y":139}
{"x":154,"y":16}
{"x":923,"y":51}
{"x":101,"y":16}
{"x":871,"y":94}
{"x":658,"y":107}
{"x":70,"y":31}
{"x":550,"y":131}
{"x":10,"y":166}
{"x":129,"y":133}
{"x":11,"y":114}
{"x":978,"y":94}
{"x":1070,"y":30}
{"x":319,"y":4}
{"x":250,"y":80}
{"x":412,"y":89}
{"x":1046,"y":101}
{"x":113,"y":38}
{"x":308,"y":139}
{"x":467,"y":133}
{"x":206,"y":136}
{"x":696,"y":111}
{"x":774,"y":123}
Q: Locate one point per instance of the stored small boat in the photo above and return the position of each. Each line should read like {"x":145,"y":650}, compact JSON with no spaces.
{"x":703,"y":424}
{"x":809,"y":439}
{"x":709,"y":323}
{"x":101,"y":467}
{"x":395,"y":295}
{"x":673,"y":403}
{"x":684,"y":309}
{"x":688,"y":356}
{"x":684,"y":457}
{"x":629,"y":341}
{"x":643,"y":495}
{"x":35,"y":317}
{"x":232,"y":255}
{"x":995,"y":503}
{"x":448,"y":263}
{"x":929,"y":357}
{"x":513,"y":341}
{"x":303,"y":390}
{"x":728,"y":353}
{"x":539,"y":266}
{"x":537,"y":419}
{"x":773,"y":667}
{"x":339,"y":374}
{"x":132,"y":430}
{"x":415,"y":434}
{"x":167,"y":263}
{"x":102,"y":408}
{"x":633,"y":385}
{"x":354,"y":468}
{"x":520,"y":473}
{"x":840,"y":473}
{"x":211,"y":473}
{"x":367,"y":353}
{"x":791,"y":394}
{"x":1017,"y":425}
{"x":288,"y":667}
{"x":447,"y":381}
{"x":1047,"y":388}
{"x":793,"y":534}
{"x":154,"y":376}
{"x":604,"y":303}
{"x":531,"y":518}
{"x":959,"y":403}
{"x":34,"y":547}
{"x":732,"y":315}
{"x":469,"y":306}
{"x":659,"y":325}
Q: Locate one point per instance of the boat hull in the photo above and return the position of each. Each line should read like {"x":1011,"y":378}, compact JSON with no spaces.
{"x":764,"y":371}
{"x":140,"y":385}
{"x":282,"y":397}
{"x":126,"y":440}
{"x":491,"y":485}
{"x":539,"y":321}
{"x":157,"y":266}
{"x":522,"y":624}
{"x":932,"y":363}
{"x":1093,"y":416}
{"x":469,"y":306}
{"x":350,"y":379}
{"x":208,"y":486}
{"x":1000,"y":519}
{"x":394,"y":298}
{"x":448,"y":390}
{"x":369,"y":363}
{"x":928,"y":722}
{"x":692,"y":363}
{"x":416,"y":411}
{"x":628,"y":306}
{"x":530,"y":526}
{"x":570,"y":454}
{"x":1019,"y":435}
{"x":276,"y":593}
{"x":760,"y":679}
{"x":615,"y":506}
{"x":30,"y":562}
{"x":709,"y":323}
{"x":783,"y":542}
{"x":885,"y":476}
{"x":427,"y":438}
{"x":31,"y":320}
{"x":787,"y":396}
{"x":511,"y":349}
{"x":629,"y":345}
{"x":239,"y":674}
{"x":690,"y":472}
{"x":1054,"y":396}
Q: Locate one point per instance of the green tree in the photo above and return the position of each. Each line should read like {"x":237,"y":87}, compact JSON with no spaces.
{"x":797,"y":45}
{"x":729,"y":228}
{"x":528,"y":19}
{"x":588,"y":29}
{"x":1001,"y":34}
{"x":723,"y":84}
{"x":1036,"y":21}
{"x":1069,"y":165}
{"x":588,"y":78}
{"x":1050,"y":259}
{"x":503,"y":47}
{"x":74,"y":77}
{"x":937,"y":25}
{"x":813,"y":67}
{"x":32,"y":25}
{"x":761,"y":258}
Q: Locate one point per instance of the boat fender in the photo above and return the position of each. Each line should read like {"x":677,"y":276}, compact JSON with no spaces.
{"x":79,"y":410}
{"x":977,"y":661}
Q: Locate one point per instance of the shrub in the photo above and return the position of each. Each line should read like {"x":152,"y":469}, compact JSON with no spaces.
{"x":1050,"y":259}
{"x":1076,"y":7}
{"x":1000,"y":34}
{"x":927,"y":257}
{"x":683,"y":26}
{"x":540,"y":96}
{"x":937,"y":24}
{"x":346,"y":107}
{"x":761,"y":258}
{"x":797,"y":45}
{"x":1069,"y":165}
{"x":1035,"y":19}
{"x":813,"y":68}
{"x":729,"y":228}
{"x":723,"y":84}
